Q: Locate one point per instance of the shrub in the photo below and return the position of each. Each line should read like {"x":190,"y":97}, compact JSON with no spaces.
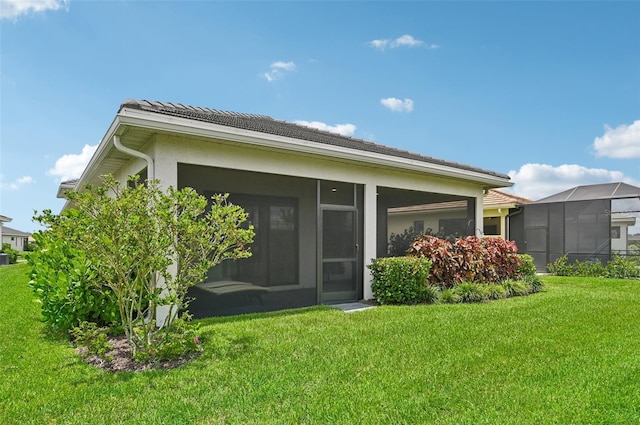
{"x":527,"y":273}
{"x":589,"y":268}
{"x":182,"y":339}
{"x":93,"y":338}
{"x":402,"y":280}
{"x":496,"y":291}
{"x":12,"y":253}
{"x":469,"y":259}
{"x":65,"y":284}
{"x":619,"y":267}
{"x":536,"y":284}
{"x":469,"y":292}
{"x":449,"y":296}
{"x":622,"y":268}
{"x":516,"y":288}
{"x":444,"y":260}
{"x":148,"y":246}
{"x":399,"y":242}
{"x":527,"y":268}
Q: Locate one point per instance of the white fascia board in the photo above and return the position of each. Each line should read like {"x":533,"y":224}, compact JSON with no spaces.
{"x":161,"y":122}
{"x":99,"y":154}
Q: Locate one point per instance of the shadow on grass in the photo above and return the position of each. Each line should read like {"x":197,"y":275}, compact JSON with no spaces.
{"x":258,"y":316}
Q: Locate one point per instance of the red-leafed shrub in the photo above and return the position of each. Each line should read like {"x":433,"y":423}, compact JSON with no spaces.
{"x":444,"y":261}
{"x":469,"y":259}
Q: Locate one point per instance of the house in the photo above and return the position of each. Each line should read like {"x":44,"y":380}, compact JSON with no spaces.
{"x":3,"y":219}
{"x":449,"y":218}
{"x":584,"y":223}
{"x":620,"y":238}
{"x":319,"y":201}
{"x":16,"y":238}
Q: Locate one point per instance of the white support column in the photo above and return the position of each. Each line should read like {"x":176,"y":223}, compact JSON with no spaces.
{"x":479,"y":231}
{"x":166,"y":170}
{"x":370,"y":237}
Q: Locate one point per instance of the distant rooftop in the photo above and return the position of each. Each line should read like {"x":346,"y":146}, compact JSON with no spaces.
{"x":494,"y":198}
{"x":268,"y":125}
{"x":594,"y":192}
{"x":8,"y":231}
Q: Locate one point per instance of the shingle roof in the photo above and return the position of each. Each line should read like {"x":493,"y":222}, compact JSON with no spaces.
{"x":268,"y":125}
{"x":8,"y":231}
{"x":494,"y":198}
{"x":593,"y":192}
{"x":497,"y":197}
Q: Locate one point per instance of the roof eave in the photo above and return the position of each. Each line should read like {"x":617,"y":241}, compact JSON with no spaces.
{"x":168,"y":123}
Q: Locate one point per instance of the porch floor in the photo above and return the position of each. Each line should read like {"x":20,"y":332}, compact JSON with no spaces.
{"x":352,"y":306}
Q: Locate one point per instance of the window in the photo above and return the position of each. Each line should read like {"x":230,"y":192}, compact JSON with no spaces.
{"x":492,"y":226}
{"x":418,"y":227}
{"x":615,"y":232}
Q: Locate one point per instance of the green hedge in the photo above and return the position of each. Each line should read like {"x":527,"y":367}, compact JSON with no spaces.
{"x":12,"y":253}
{"x":402,"y":280}
{"x":618,"y":268}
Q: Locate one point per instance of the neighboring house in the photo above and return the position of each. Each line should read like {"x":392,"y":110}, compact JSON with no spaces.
{"x":16,"y":238}
{"x":584,"y":223}
{"x":449,"y":218}
{"x":620,"y":223}
{"x":318,"y":201}
{"x":3,"y":219}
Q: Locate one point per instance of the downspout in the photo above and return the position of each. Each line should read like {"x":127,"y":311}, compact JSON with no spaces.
{"x":151,"y":175}
{"x":151,"y":172}
{"x":519,"y":210}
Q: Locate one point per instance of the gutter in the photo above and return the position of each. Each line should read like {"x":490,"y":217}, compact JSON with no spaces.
{"x":151,"y":173}
{"x":185,"y":126}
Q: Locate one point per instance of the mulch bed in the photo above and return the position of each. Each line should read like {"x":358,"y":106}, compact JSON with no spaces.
{"x":120,"y":359}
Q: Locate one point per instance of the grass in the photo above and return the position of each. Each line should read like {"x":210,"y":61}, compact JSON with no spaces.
{"x":570,"y":354}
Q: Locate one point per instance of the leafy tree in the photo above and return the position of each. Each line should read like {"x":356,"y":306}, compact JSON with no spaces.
{"x":149,"y":246}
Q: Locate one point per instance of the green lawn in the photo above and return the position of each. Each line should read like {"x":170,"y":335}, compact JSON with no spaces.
{"x":569,"y":355}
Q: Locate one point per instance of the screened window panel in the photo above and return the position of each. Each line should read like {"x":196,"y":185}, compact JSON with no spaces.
{"x":338,"y":244}
{"x":274,"y":260}
{"x":536,"y":239}
{"x":537,"y":215}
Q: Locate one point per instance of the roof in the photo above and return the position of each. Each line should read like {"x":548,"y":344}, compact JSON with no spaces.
{"x":8,"y":231}
{"x":493,"y":199}
{"x":65,"y":186}
{"x":4,"y":218}
{"x":268,"y":125}
{"x":623,"y":218}
{"x":594,"y":192}
{"x":496,"y":198}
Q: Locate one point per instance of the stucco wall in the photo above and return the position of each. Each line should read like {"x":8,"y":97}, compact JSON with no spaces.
{"x":169,"y":150}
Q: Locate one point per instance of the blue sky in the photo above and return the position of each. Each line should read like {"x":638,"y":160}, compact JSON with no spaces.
{"x":547,"y":92}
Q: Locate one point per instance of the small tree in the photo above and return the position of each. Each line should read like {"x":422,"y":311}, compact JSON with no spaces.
{"x":149,"y":247}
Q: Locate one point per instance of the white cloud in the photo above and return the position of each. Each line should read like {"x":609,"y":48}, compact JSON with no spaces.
{"x":406,"y":40}
{"x":343,"y":129}
{"x":397,"y":105}
{"x":537,"y":181}
{"x":12,"y":9}
{"x":71,"y":166}
{"x":620,"y":142}
{"x":402,"y":41}
{"x":278,"y":69}
{"x":17,"y":183}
